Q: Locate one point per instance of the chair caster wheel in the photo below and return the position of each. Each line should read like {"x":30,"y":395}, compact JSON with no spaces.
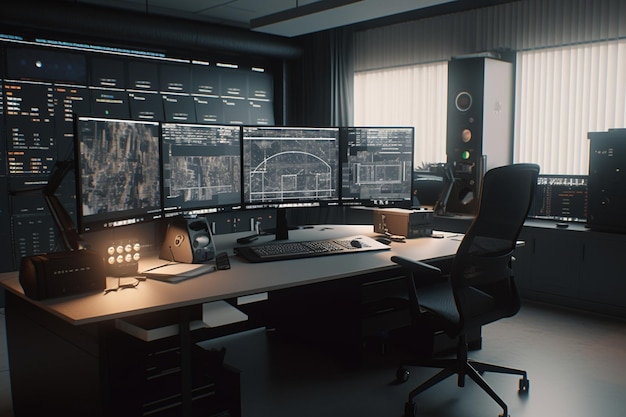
{"x":524,"y":386}
{"x":410,"y":409}
{"x":402,"y":374}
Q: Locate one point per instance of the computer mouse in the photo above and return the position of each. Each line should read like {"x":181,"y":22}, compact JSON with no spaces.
{"x":384,"y":240}
{"x":355,"y":243}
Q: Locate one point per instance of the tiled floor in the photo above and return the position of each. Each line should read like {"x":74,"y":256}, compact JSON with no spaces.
{"x":576,"y":363}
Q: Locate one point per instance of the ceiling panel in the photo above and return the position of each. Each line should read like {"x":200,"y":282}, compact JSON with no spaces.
{"x":243,"y":11}
{"x":240,"y":13}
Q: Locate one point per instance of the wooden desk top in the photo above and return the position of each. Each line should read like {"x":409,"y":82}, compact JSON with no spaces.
{"x":242,"y":279}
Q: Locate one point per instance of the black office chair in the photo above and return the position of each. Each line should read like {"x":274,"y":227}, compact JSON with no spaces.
{"x":480,"y":288}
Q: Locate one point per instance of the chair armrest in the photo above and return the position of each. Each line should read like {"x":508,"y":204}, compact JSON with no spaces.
{"x":416,"y":271}
{"x":417,"y":268}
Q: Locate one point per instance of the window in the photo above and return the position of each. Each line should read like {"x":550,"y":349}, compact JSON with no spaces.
{"x":407,"y":96}
{"x":563,"y":93}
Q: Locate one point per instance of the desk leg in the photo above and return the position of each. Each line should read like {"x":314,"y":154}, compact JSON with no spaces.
{"x":185,"y":360}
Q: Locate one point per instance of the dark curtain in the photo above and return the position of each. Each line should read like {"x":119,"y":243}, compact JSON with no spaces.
{"x":342,"y":79}
{"x":321,"y":83}
{"x":321,"y":94}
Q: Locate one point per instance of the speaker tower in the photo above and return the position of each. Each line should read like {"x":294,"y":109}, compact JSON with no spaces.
{"x":480,"y":125}
{"x":188,"y":240}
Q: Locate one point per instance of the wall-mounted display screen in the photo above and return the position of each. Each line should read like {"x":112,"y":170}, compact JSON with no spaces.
{"x":45,"y":83}
{"x":118,"y":169}
{"x":201,"y":168}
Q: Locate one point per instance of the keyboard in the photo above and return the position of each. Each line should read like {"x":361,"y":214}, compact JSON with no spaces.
{"x":278,"y":251}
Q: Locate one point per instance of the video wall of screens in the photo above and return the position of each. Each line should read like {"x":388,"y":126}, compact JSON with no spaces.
{"x":290,"y":166}
{"x":201,"y":168}
{"x":377,"y":166}
{"x":118,"y":170}
{"x":560,"y":198}
{"x":44,"y":85}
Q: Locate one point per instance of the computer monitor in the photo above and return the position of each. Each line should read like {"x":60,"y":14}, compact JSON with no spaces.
{"x":560,"y":198}
{"x":201,"y":168}
{"x":287,"y":167}
{"x":117,"y":167}
{"x":377,"y":166}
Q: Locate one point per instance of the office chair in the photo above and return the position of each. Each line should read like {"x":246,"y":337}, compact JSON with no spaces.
{"x":480,"y":287}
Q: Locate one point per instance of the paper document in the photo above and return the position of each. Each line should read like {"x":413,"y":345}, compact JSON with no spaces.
{"x":220,"y":313}
{"x":175,"y":272}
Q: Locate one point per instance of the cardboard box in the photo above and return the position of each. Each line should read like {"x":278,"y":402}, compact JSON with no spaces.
{"x":403,"y":222}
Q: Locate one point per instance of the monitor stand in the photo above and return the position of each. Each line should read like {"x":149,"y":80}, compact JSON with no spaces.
{"x":441,"y":206}
{"x":282,"y":227}
{"x":281,"y":231}
{"x":71,"y":239}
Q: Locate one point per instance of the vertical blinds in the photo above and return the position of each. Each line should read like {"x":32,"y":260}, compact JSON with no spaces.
{"x":563,"y":93}
{"x":519,"y":26}
{"x":571,"y":72}
{"x":408,"y":96}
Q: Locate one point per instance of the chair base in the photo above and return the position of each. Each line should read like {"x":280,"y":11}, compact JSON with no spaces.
{"x":462,"y":367}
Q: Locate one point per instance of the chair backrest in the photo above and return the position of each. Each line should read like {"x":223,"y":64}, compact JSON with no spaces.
{"x":483,"y":260}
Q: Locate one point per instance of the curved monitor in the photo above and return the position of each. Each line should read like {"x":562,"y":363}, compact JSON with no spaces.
{"x":377,"y":166}
{"x":201,"y":168}
{"x":290,"y":166}
{"x":117,"y":167}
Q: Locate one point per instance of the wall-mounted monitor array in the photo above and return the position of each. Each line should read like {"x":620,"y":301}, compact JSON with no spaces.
{"x":130,"y":171}
{"x":560,"y":198}
{"x":45,"y":82}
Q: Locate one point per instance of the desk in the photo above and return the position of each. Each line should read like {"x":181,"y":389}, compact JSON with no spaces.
{"x":60,"y":350}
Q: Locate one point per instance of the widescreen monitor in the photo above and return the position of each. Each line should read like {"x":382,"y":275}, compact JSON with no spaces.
{"x":118,"y":169}
{"x":377,"y":166}
{"x":201,"y":168}
{"x":290,"y":166}
{"x":560,"y":198}
{"x":286,"y":167}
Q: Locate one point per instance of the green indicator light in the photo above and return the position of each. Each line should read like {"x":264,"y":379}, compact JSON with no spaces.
{"x":465,"y":155}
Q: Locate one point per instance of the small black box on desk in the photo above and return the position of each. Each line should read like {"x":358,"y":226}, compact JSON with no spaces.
{"x":60,"y":274}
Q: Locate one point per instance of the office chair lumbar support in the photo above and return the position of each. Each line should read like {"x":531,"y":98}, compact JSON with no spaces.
{"x":479,"y":288}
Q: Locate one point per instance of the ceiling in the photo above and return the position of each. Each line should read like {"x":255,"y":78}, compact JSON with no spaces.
{"x":279,"y":17}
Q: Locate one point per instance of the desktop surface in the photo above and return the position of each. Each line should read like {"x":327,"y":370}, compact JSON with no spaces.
{"x":242,"y":279}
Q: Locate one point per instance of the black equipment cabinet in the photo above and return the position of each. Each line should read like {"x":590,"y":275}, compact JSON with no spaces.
{"x":607,"y":181}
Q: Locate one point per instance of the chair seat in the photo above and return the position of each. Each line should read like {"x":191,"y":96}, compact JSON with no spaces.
{"x":439,"y":299}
